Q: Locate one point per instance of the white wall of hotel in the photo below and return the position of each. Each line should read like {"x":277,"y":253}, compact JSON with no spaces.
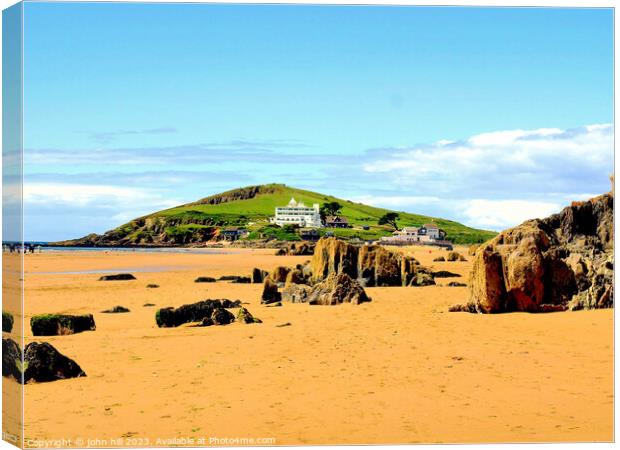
{"x":296,"y":213}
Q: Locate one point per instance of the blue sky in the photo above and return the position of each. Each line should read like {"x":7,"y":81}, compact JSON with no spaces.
{"x":463,"y":113}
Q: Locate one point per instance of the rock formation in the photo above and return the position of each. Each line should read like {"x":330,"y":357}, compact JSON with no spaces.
{"x":11,"y":359}
{"x":205,"y":280}
{"x":116,"y":310}
{"x":259,"y":275}
{"x":561,"y":262}
{"x":372,"y":265}
{"x":61,"y":324}
{"x":7,"y":322}
{"x":245,"y":316}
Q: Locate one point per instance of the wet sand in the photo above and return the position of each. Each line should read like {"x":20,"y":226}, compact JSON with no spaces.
{"x":400,"y":369}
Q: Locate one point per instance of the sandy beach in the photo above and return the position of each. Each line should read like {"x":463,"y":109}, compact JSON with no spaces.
{"x":400,"y":369}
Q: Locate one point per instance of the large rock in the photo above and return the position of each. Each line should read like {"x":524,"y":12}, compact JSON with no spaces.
{"x":270,"y":292}
{"x":561,"y":262}
{"x":44,"y":363}
{"x":7,"y":322}
{"x":279,"y":274}
{"x":296,"y":293}
{"x":371,"y":265}
{"x":337,"y":288}
{"x":11,"y":359}
{"x":117,"y":277}
{"x":259,"y":275}
{"x":194,"y":312}
{"x":61,"y":324}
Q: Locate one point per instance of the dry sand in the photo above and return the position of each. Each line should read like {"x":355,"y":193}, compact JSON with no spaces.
{"x":400,"y":369}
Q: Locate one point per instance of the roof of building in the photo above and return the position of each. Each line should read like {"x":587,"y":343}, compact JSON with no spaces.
{"x":292,"y":203}
{"x":431,"y":226}
{"x":336,"y":219}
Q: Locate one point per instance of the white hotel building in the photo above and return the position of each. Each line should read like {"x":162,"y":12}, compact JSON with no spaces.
{"x":298,"y":214}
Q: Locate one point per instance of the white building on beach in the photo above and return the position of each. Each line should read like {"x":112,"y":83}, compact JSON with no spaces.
{"x":296,"y":213}
{"x":426,"y":234}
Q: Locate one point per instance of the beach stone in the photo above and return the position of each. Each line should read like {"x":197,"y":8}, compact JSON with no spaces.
{"x":152,"y":286}
{"x":7,"y":322}
{"x":270,"y":292}
{"x":11,"y":359}
{"x":464,"y":307}
{"x":455,"y":256}
{"x":116,"y":309}
{"x":117,"y":277}
{"x":149,"y":304}
{"x":61,"y":324}
{"x":337,"y":288}
{"x":439,"y":259}
{"x":295,"y":276}
{"x":259,"y":275}
{"x":422,"y":279}
{"x":245,"y":316}
{"x":230,"y":277}
{"x":221,"y":316}
{"x":455,"y":284}
{"x":205,"y":280}
{"x":231,"y":303}
{"x":44,"y":363}
{"x":243,"y":280}
{"x":553,"y":264}
{"x":445,"y":274}
{"x":194,"y":312}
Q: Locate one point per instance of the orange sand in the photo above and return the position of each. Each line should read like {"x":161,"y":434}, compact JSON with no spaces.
{"x":400,"y":369}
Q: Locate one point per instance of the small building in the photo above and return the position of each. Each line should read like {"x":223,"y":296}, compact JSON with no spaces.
{"x":234,"y":233}
{"x":426,"y":234}
{"x":336,"y":222}
{"x":309,"y":234}
{"x":296,"y":213}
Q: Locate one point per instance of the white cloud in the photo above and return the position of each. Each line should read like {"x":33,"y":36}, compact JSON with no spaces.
{"x":500,"y":214}
{"x":395,"y":201}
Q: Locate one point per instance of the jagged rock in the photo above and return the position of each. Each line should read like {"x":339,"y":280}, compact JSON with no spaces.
{"x":296,"y":293}
{"x":296,"y":276}
{"x":422,"y":279}
{"x":455,"y":256}
{"x":270,"y":292}
{"x":439,"y":258}
{"x":44,"y":363}
{"x":11,"y":359}
{"x":117,"y":277}
{"x":205,"y":280}
{"x":259,"y":275}
{"x":279,"y":274}
{"x":337,"y":288}
{"x":372,"y":265}
{"x":194,"y":312}
{"x":561,"y":262}
{"x":116,"y":309}
{"x":61,"y":324}
{"x":7,"y":322}
{"x":220,"y":316}
{"x":245,"y":316}
{"x":445,"y":274}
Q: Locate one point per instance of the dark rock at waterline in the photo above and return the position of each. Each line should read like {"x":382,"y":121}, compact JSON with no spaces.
{"x":152,"y":286}
{"x":117,"y":277}
{"x":455,"y":284}
{"x":149,"y":304}
{"x":116,"y":309}
{"x":230,"y":278}
{"x":205,"y":280}
{"x":61,"y":324}
{"x":44,"y":363}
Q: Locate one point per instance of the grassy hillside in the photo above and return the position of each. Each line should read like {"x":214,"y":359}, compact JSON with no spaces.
{"x":251,"y":207}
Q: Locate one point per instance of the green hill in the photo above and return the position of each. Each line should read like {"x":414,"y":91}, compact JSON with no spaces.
{"x":251,"y":207}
